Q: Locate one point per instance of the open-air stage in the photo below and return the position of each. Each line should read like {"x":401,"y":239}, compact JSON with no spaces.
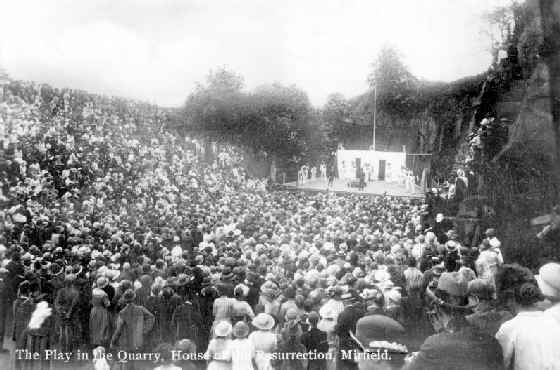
{"x":372,"y":188}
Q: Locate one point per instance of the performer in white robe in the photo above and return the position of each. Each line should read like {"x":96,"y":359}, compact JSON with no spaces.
{"x":323,"y":170}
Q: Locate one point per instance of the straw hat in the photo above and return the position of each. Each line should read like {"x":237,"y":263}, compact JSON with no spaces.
{"x":240,"y":330}
{"x":222,"y":329}
{"x":549,"y":280}
{"x":263,"y":321}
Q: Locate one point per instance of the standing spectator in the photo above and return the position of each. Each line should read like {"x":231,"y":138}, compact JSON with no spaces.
{"x":441,"y":226}
{"x":413,"y":287}
{"x":291,"y":346}
{"x":223,"y":305}
{"x":23,"y":308}
{"x":457,"y":345}
{"x":100,"y":320}
{"x":167,"y":304}
{"x":241,"y":310}
{"x":242,"y":350}
{"x":103,"y":283}
{"x":488,"y":262}
{"x":290,"y":302}
{"x":346,"y":324}
{"x":133,"y":323}
{"x":206,"y":299}
{"x":529,"y":340}
{"x":549,"y":283}
{"x":185,"y":321}
{"x":38,"y":336}
{"x":315,"y":340}
{"x":269,"y":298}
{"x":219,"y":349}
{"x":486,"y":316}
{"x":495,"y":244}
{"x":68,"y":321}
{"x":264,"y":340}
{"x":4,"y":307}
{"x":14,"y":276}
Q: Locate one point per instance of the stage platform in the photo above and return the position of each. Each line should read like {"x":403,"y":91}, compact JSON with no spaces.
{"x":372,"y":188}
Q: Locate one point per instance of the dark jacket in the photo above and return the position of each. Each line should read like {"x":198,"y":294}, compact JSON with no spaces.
{"x":185,"y":322}
{"x":347,"y":323}
{"x":465,"y":349}
{"x":315,"y":340}
{"x":133,"y":324}
{"x":441,"y":229}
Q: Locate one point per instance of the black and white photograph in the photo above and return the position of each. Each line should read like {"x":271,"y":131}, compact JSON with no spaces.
{"x":280,"y":185}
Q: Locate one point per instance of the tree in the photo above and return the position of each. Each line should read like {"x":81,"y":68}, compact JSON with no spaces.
{"x":389,"y":74}
{"x":216,"y":105}
{"x":550,"y":52}
{"x":223,"y":81}
{"x":500,"y":24}
{"x":337,"y":115}
{"x":395,"y":84}
{"x":273,"y":120}
{"x":283,"y":114}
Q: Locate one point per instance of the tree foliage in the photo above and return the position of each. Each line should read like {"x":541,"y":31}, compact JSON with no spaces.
{"x":396,"y":86}
{"x":337,"y":119}
{"x":273,"y":119}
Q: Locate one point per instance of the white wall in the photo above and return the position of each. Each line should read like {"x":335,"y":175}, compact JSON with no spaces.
{"x":395,"y":163}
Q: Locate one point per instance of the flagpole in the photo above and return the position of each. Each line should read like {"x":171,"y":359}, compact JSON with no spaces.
{"x":374,"y":113}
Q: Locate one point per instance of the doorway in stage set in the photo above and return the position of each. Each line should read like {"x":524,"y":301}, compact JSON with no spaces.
{"x":381,"y":172}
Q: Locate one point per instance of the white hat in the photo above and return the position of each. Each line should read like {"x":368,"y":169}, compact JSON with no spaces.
{"x":549,"y":280}
{"x":263,"y":321}
{"x":223,"y":329}
{"x":495,"y":243}
{"x":382,"y":275}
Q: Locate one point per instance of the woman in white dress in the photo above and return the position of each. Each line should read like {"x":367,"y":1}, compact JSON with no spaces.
{"x":219,"y":349}
{"x":264,"y":341}
{"x":242,"y":349}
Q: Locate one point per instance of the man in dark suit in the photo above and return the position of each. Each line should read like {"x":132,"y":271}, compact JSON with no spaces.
{"x":441,"y":226}
{"x":315,"y":340}
{"x":133,"y":323}
{"x":346,"y":323}
{"x":4,"y":308}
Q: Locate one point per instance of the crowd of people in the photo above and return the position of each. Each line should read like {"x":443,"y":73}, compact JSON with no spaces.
{"x":121,"y":242}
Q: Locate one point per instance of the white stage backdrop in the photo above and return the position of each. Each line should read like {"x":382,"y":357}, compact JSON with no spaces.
{"x":370,"y":161}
